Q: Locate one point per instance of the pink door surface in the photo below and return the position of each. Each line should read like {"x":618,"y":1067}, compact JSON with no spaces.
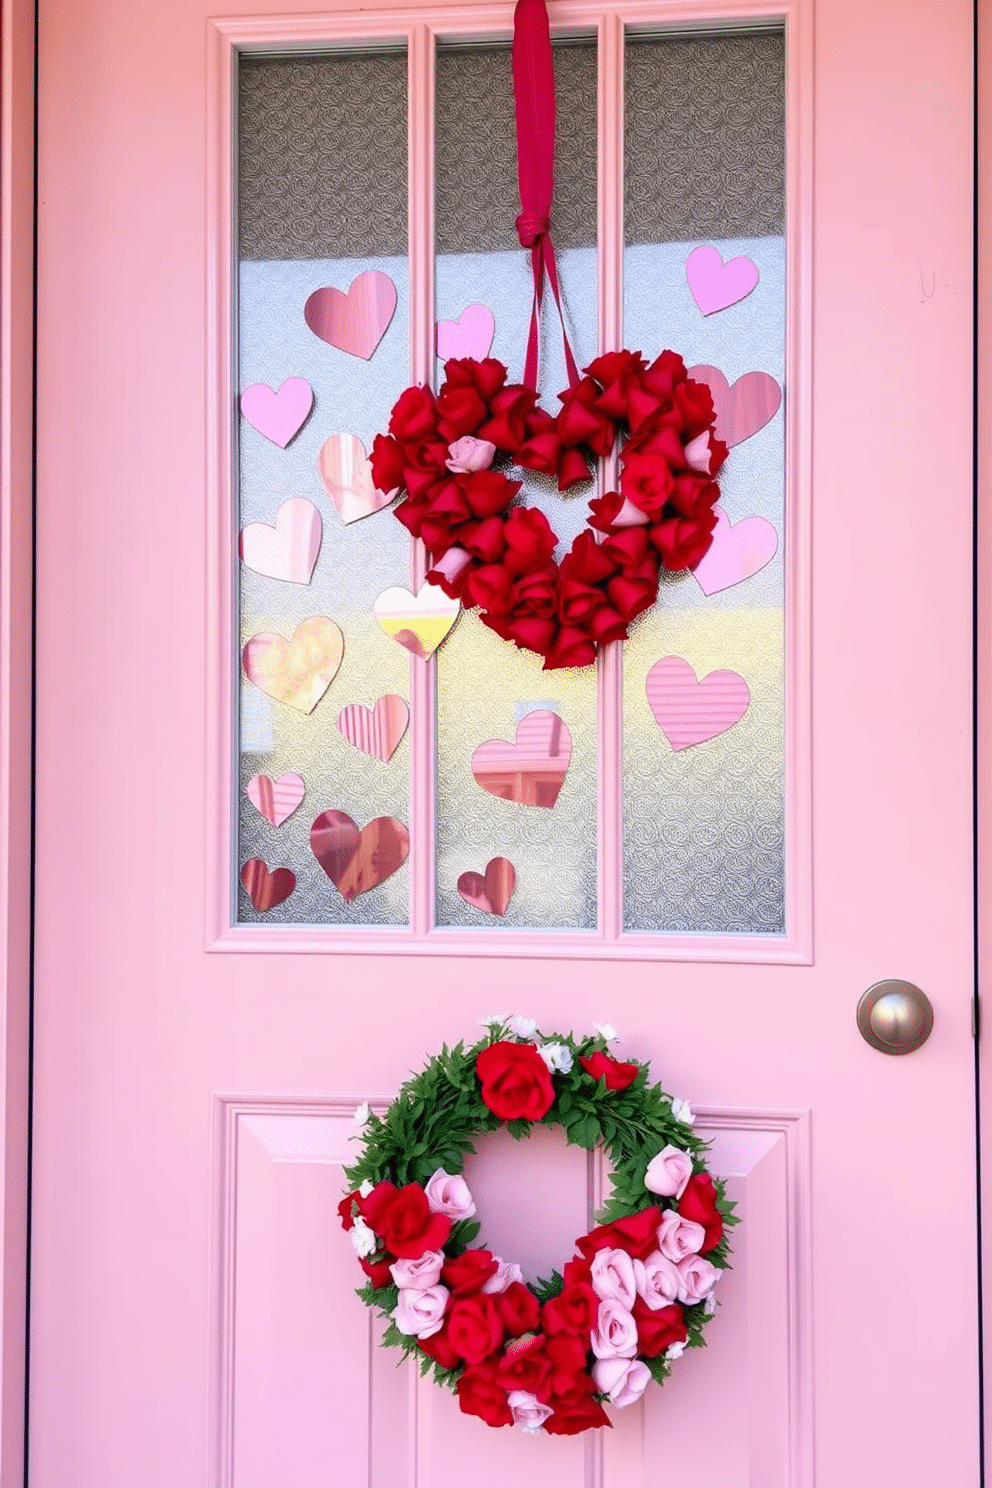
{"x":198,"y":1053}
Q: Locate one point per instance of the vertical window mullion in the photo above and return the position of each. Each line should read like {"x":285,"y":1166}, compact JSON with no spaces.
{"x":610,"y":676}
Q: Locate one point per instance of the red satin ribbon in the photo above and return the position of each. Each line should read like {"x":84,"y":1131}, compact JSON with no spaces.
{"x":534,"y":93}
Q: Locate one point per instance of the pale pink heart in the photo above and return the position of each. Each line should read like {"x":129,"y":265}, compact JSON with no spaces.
{"x":297,"y":672}
{"x":471,"y":335}
{"x":276,"y":800}
{"x":532,"y":769}
{"x":353,"y":320}
{"x":744,"y":407}
{"x":738,"y":551}
{"x":714,"y":284}
{"x":690,"y":710}
{"x":287,"y":550}
{"x":417,"y":622}
{"x":491,"y":892}
{"x":281,"y":413}
{"x":347,"y":474}
{"x":376,"y":731}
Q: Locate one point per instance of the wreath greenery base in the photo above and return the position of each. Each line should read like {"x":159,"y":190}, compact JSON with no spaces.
{"x":547,"y":1355}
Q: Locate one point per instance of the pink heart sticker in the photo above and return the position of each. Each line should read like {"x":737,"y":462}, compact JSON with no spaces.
{"x":287,"y":550}
{"x":714,"y":284}
{"x":419,"y":622}
{"x":689,"y":710}
{"x":490,"y":893}
{"x":532,"y":769}
{"x":471,"y":335}
{"x":356,"y":861}
{"x":276,"y":800}
{"x":744,"y":407}
{"x":279,"y":414}
{"x":347,"y":474}
{"x":353,"y":320}
{"x":737,"y":552}
{"x":266,"y":888}
{"x":376,"y":731}
{"x":299,"y":671}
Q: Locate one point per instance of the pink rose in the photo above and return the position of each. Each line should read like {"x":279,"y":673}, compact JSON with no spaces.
{"x":678,"y":1237}
{"x":420,"y":1274}
{"x":528,"y":1411}
{"x":468,"y":454}
{"x":505,"y":1275}
{"x":669,"y":1172}
{"x":613,"y":1277}
{"x":615,"y":1333}
{"x":699,"y":1278}
{"x":622,"y":1380}
{"x":447,"y":1193}
{"x":658,"y":1280}
{"x":452,"y":563}
{"x":418,"y":1314}
{"x":698,"y":453}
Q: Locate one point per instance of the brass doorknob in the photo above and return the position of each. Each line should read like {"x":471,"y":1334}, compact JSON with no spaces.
{"x":895,"y":1017}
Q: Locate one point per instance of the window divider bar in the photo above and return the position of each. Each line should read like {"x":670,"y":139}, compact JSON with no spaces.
{"x":610,"y":673}
{"x":423,"y":674}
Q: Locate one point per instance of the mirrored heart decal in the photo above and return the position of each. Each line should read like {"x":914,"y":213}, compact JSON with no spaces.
{"x":743,"y":407}
{"x":356,"y":861}
{"x":354,"y":320}
{"x":376,"y":731}
{"x":691,"y":710}
{"x":491,"y":892}
{"x":297,"y":672}
{"x":418,"y":622}
{"x":347,"y":475}
{"x":288,"y":550}
{"x":276,"y":800}
{"x":531,"y":770}
{"x":266,"y":888}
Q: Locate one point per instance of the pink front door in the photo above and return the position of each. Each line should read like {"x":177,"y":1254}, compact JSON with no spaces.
{"x":199,"y":1050}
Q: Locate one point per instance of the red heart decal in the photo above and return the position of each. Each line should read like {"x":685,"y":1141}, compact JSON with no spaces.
{"x":743,"y":407}
{"x":266,"y":889}
{"x":530,"y":771}
{"x":491,"y":893}
{"x":354,"y":320}
{"x":356,"y":861}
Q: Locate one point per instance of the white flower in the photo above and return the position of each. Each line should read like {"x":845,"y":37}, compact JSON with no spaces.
{"x":556,"y":1057}
{"x":362,"y":1238}
{"x":524,"y":1028}
{"x":365,"y":1187}
{"x":709,"y":1306}
{"x":362,"y":1114}
{"x":675,"y":1351}
{"x":606,"y":1031}
{"x":682,"y":1111}
{"x":494,"y":1020}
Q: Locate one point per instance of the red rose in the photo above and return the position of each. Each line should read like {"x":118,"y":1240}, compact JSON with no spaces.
{"x":574,"y":1310}
{"x":516,"y":1082}
{"x":587,"y":563}
{"x":510,"y":409}
{"x":577,"y":1269}
{"x":698,"y":1203}
{"x":683,"y":544}
{"x":571,"y":648}
{"x":535,"y":593}
{"x":693,"y":495}
{"x":524,"y":1366}
{"x":480,"y":1395}
{"x":531,"y":632}
{"x":569,"y":1379}
{"x":439,"y":1348}
{"x":637,"y":1234}
{"x":519,"y":1309}
{"x":378,"y":1272}
{"x":530,"y":541}
{"x":568,"y":1420}
{"x":387,"y":460}
{"x":658,"y":1330}
{"x":489,"y":587}
{"x":665,"y":373}
{"x":647,"y":481}
{"x":344,"y":1209}
{"x":403,"y":1220}
{"x":487,"y":492}
{"x":484,"y":540}
{"x":414,"y":415}
{"x":601,"y":1067}
{"x":662,"y":440}
{"x":467,"y":1272}
{"x":486,"y":376}
{"x":461,"y":412}
{"x":581,"y":421}
{"x":475,"y":1328}
{"x":694,"y":402}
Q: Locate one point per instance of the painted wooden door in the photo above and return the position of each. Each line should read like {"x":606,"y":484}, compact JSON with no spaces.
{"x":199,"y":1053}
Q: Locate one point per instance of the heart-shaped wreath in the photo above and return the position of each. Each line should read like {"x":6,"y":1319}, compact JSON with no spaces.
{"x":544,"y":1356}
{"x":490,"y":551}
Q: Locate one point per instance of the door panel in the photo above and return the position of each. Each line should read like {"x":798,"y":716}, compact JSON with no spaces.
{"x":192,"y":1316}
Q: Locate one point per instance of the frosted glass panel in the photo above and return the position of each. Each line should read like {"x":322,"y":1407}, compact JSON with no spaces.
{"x":704,"y":824}
{"x":485,"y":686}
{"x":312,"y":134}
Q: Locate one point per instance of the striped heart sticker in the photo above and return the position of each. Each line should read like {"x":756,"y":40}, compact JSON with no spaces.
{"x":276,"y":800}
{"x":376,"y":731}
{"x":690,"y":710}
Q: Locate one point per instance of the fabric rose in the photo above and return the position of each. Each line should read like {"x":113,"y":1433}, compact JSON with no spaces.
{"x":475,"y":1328}
{"x":623,"y":1380}
{"x":668,"y":1172}
{"x":575,"y":1416}
{"x":528,"y":1412}
{"x":615,"y":1333}
{"x":414,"y":415}
{"x":637,"y":1234}
{"x":519,"y":1309}
{"x":420,"y":1274}
{"x":345,"y":1209}
{"x":658,"y":1280}
{"x":438,"y":1345}
{"x":470,"y":454}
{"x":678,"y":1237}
{"x":568,"y":1379}
{"x":418,"y":1313}
{"x":466,"y":1273}
{"x":506,"y":1273}
{"x":658,"y":1330}
{"x":524,"y":1366}
{"x":601,"y":1067}
{"x":699,"y":1203}
{"x":480,"y":1395}
{"x":612,"y":1277}
{"x":378,"y":1272}
{"x":447,"y":1193}
{"x":698,"y":1278}
{"x":574,"y":1310}
{"x":516,"y":1083}
{"x":403,"y":1220}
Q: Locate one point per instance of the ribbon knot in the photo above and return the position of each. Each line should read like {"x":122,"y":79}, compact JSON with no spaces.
{"x":530,"y":227}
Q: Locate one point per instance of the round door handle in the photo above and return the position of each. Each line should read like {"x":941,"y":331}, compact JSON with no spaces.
{"x":895,"y":1017}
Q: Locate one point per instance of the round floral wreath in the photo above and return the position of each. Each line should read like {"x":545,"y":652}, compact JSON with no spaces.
{"x":489,"y":553}
{"x":638,"y":1291}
